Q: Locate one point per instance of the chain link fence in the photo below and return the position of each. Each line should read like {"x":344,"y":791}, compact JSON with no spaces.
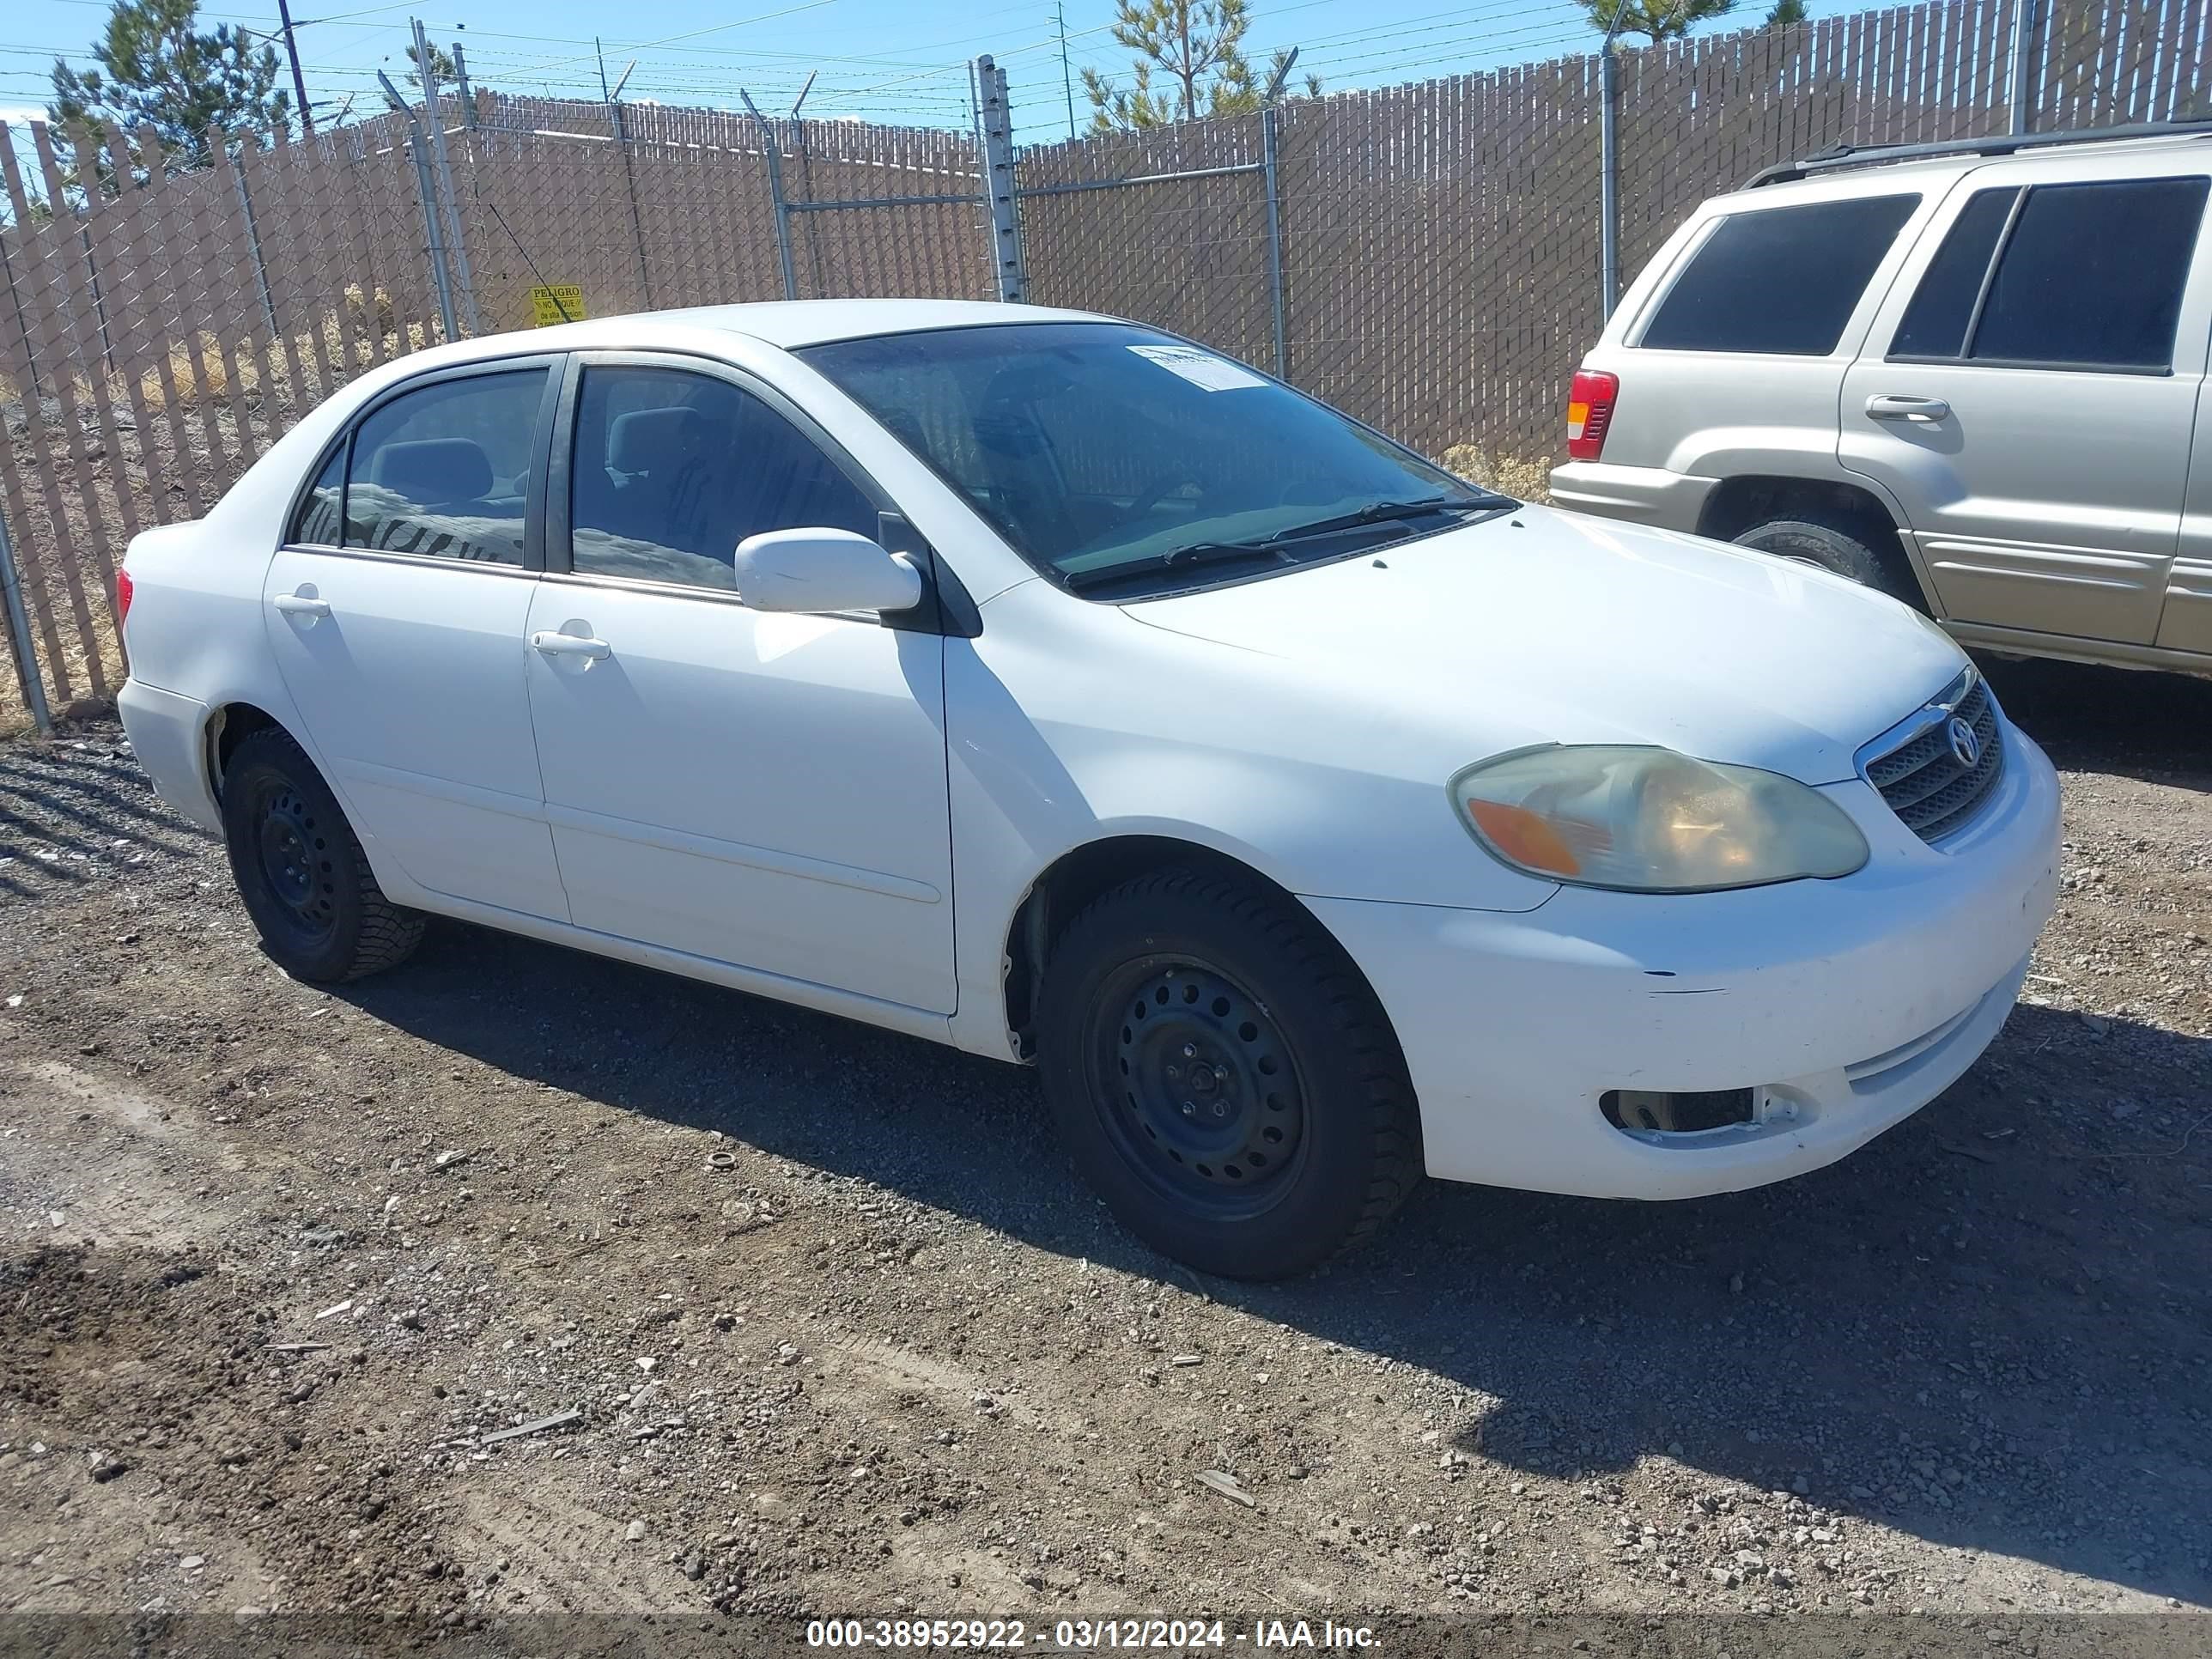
{"x":1427,"y":256}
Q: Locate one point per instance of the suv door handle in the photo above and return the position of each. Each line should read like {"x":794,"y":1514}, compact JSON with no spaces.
{"x":571,"y":645}
{"x":1903,"y":406}
{"x":300,"y":604}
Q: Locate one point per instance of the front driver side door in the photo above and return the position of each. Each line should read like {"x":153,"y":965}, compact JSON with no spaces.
{"x":2027,"y":394}
{"x":763,"y":790}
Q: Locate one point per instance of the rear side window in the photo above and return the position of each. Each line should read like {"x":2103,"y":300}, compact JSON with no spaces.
{"x":1783,"y":281}
{"x":445,"y":470}
{"x":316,"y":524}
{"x":2091,"y":276}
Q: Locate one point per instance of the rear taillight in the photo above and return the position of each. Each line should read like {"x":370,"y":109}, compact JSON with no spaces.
{"x":124,"y":589}
{"x":1589,"y":412}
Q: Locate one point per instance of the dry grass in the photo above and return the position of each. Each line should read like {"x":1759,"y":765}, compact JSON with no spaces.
{"x":1517,"y":475}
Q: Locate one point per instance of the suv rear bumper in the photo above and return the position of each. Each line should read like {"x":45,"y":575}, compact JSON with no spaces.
{"x":1642,"y":494}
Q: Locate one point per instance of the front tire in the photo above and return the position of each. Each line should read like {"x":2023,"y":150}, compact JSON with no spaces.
{"x":1832,"y":547}
{"x":1223,"y":1077}
{"x":300,"y":871}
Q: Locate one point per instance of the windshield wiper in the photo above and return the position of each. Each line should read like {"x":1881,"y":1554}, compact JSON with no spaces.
{"x":1198,"y":553}
{"x":1275,"y":547}
{"x":1376,"y":512}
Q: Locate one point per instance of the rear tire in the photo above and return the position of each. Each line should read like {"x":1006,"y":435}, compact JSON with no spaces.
{"x":1255,"y":1120}
{"x":300,"y":871}
{"x":1832,"y":547}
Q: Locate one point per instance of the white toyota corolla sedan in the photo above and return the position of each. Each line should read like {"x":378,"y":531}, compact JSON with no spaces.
{"x":1053,"y":688}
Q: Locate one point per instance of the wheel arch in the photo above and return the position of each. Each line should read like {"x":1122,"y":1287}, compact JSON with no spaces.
{"x":229,"y":724}
{"x":1738,"y":503}
{"x":1079,"y":875}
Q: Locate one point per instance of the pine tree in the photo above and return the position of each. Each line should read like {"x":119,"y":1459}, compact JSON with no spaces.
{"x":1195,"y":50}
{"x":157,"y":69}
{"x":1657,"y":20}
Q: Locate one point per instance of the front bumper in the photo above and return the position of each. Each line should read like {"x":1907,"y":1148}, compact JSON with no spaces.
{"x":1845,"y":1005}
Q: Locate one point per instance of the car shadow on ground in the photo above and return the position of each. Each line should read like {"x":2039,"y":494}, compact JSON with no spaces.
{"x":1990,"y":1327}
{"x":2157,"y":727}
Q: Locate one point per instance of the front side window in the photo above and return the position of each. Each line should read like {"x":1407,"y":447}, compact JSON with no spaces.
{"x":1779,"y":281}
{"x":1941,"y":315}
{"x":1119,"y":460}
{"x":444,"y":470}
{"x":672,"y":470}
{"x":2091,"y":276}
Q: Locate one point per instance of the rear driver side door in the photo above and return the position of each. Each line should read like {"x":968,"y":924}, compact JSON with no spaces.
{"x":763,"y":790}
{"x":395,"y":610}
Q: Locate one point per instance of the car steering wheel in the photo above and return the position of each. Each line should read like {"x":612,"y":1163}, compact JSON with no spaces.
{"x":1156,"y":490}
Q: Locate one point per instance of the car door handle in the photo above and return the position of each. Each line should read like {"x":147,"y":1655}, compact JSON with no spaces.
{"x":571,"y":645}
{"x":300,"y":604}
{"x":1902,"y":406}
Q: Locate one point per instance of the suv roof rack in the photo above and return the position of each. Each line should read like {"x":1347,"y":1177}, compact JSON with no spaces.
{"x":1848,"y":156}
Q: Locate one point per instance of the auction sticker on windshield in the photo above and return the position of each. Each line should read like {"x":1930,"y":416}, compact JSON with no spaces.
{"x":1201,"y":369}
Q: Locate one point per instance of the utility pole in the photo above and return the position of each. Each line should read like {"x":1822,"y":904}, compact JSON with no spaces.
{"x":292,"y":52}
{"x":1067,"y":80}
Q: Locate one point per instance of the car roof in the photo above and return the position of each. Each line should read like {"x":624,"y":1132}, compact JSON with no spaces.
{"x":1852,"y":175}
{"x":786,"y":323}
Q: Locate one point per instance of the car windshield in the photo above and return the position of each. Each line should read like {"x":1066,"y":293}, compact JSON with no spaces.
{"x":1118,"y":459}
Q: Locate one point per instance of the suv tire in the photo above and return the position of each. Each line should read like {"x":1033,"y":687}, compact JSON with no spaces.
{"x":1832,"y":547}
{"x":300,"y":871}
{"x":1223,"y":1077}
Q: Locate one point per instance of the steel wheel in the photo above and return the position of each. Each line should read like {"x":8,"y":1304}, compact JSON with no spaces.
{"x":1197,"y":1087}
{"x":294,"y":849}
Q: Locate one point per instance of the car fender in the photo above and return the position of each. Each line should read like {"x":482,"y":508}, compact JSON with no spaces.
{"x":1068,"y":724}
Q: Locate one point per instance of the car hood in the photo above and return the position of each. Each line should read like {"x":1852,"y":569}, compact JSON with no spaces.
{"x":1542,"y":627}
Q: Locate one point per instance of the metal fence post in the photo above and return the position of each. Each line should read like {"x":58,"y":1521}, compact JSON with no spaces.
{"x":253,"y":241}
{"x":2028,"y":20}
{"x":456,"y":241}
{"x":423,"y":188}
{"x":775,"y":196}
{"x":1268,"y":153}
{"x":995,"y":119}
{"x":1609,"y":169}
{"x":462,"y":89}
{"x":18,"y":625}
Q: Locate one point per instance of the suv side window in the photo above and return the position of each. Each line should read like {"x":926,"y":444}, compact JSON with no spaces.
{"x":444,"y":470}
{"x":2091,"y":276}
{"x":672,"y":469}
{"x":1779,"y":281}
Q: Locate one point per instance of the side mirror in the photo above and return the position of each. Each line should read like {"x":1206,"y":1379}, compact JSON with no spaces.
{"x":822,"y":570}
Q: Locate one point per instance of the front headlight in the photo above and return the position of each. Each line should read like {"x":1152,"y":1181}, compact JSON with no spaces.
{"x":1649,"y":820}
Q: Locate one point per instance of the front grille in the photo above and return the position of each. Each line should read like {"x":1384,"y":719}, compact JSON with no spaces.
{"x":1922,"y":778}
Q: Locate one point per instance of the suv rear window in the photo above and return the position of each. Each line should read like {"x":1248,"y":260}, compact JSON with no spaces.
{"x":1783,"y":281}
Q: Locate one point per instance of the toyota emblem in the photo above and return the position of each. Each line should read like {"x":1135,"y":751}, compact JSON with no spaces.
{"x":1965,"y":747}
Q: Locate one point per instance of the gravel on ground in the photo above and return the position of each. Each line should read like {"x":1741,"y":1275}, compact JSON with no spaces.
{"x":518,"y":1281}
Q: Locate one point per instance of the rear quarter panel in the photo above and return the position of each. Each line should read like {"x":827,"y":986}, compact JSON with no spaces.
{"x":1730,"y":414}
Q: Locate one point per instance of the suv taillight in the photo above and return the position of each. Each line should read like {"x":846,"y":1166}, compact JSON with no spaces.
{"x":1589,"y":412}
{"x":124,"y":589}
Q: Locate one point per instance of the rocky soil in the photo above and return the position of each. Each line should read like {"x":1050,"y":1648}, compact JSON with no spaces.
{"x":795,"y":1318}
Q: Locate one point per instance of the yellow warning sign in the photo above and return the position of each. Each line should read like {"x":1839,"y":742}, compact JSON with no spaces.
{"x":557,"y":302}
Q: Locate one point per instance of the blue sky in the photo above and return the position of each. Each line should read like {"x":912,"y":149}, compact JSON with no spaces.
{"x":880,"y":59}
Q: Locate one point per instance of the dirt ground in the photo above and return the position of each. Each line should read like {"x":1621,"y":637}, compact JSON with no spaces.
{"x":842,"y":1335}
